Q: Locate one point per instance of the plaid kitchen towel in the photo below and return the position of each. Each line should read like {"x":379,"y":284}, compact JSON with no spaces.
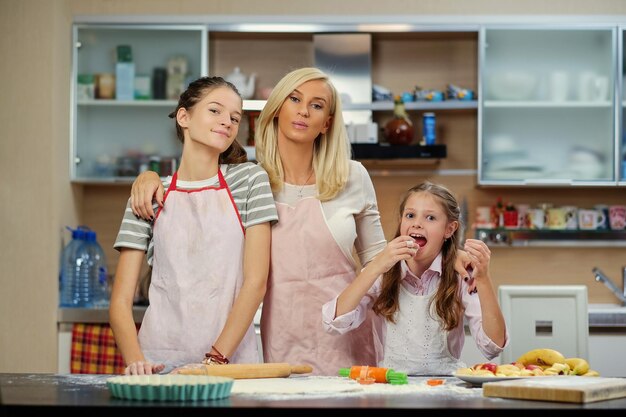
{"x":94,"y":350}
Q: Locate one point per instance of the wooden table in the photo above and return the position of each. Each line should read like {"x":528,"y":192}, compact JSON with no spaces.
{"x":41,"y":394}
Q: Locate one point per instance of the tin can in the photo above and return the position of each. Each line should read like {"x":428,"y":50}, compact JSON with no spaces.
{"x":429,"y":128}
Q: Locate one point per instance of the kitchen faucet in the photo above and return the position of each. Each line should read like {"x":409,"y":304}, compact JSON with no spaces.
{"x":600,"y":277}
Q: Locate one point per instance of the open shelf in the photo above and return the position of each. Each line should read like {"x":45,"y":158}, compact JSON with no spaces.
{"x":385,"y":151}
{"x":545,"y":238}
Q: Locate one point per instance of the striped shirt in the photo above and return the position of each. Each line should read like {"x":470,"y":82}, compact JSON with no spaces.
{"x":249,"y":186}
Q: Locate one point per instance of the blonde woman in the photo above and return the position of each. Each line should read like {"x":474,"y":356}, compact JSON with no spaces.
{"x":326,"y":208}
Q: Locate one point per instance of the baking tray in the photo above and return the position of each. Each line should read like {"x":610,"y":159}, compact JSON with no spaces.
{"x":170,"y":387}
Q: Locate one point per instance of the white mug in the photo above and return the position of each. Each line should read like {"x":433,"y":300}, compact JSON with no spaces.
{"x":559,"y":86}
{"x":590,"y":219}
{"x":600,"y":88}
{"x":483,"y":217}
{"x":571,"y":217}
{"x":585,"y":80}
{"x":536,"y":218}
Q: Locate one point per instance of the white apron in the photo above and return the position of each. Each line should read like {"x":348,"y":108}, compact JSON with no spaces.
{"x":197,"y":273}
{"x":308,"y":269}
{"x":417,"y":344}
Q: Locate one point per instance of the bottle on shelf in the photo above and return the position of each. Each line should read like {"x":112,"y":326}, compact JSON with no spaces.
{"x":84,"y":274}
{"x":399,"y":130}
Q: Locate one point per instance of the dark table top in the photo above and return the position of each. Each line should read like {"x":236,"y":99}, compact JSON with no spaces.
{"x":37,"y":394}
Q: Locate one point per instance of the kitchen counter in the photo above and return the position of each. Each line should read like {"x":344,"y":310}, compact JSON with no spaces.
{"x":600,"y":315}
{"x":32,"y":394}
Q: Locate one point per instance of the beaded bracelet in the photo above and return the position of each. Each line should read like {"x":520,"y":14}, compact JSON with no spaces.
{"x":215,"y":358}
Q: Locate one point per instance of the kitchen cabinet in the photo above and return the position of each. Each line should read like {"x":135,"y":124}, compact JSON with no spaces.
{"x":116,"y":133}
{"x":113,"y":139}
{"x":547,"y":105}
{"x":401,"y":57}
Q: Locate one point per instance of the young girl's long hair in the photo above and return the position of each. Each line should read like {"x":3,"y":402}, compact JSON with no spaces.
{"x":195,"y":92}
{"x":447,"y":299}
{"x":331,"y":153}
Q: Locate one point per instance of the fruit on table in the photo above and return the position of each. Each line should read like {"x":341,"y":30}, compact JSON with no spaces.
{"x":491,"y":367}
{"x":536,"y":362}
{"x":541,"y":357}
{"x":578,"y":366}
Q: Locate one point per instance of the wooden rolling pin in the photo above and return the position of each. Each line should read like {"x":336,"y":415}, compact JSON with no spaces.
{"x":246,"y":371}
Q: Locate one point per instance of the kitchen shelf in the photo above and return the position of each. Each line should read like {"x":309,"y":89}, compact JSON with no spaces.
{"x":384,"y":151}
{"x":257,"y":105}
{"x":551,"y":238}
{"x":548,"y":104}
{"x":147,"y":103}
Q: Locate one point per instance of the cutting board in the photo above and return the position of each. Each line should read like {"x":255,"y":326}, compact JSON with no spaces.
{"x":570,"y":389}
{"x":245,"y":370}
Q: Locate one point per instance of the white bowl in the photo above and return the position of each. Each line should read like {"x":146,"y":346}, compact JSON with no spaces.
{"x":512,"y":85}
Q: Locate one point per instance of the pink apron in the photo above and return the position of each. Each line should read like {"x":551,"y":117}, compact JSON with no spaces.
{"x":197,"y":273}
{"x":307,"y":270}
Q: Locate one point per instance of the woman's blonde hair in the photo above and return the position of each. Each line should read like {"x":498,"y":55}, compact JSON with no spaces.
{"x":331,"y":153}
{"x":447,"y":299}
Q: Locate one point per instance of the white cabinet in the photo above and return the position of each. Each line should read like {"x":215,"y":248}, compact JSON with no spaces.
{"x":114,"y":132}
{"x":547,"y":106}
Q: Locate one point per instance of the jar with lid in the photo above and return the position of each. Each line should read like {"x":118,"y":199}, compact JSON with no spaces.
{"x":399,"y":130}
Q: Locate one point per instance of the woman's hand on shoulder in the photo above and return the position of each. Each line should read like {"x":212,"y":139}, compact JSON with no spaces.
{"x":145,"y":186}
{"x":143,"y":368}
{"x":401,"y":248}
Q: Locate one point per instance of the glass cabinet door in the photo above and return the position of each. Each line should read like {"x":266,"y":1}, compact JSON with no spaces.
{"x":547,"y":112}
{"x":126,"y":79}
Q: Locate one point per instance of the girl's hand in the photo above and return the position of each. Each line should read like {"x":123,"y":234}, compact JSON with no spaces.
{"x":401,"y":248}
{"x":463,"y":267}
{"x":145,"y":186}
{"x":143,"y":368}
{"x":480,"y":255}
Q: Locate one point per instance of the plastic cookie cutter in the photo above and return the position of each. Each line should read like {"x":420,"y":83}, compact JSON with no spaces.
{"x":370,"y":374}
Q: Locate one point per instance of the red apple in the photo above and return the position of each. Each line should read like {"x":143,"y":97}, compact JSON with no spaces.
{"x":533,"y":367}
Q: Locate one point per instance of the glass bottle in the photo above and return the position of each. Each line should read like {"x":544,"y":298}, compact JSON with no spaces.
{"x":399,"y":130}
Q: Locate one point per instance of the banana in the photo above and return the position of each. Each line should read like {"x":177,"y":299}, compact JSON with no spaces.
{"x":591,"y":372}
{"x":578,"y":366}
{"x":541,"y":357}
{"x":558,"y":369}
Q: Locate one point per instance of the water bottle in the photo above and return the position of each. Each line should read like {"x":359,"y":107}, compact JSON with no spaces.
{"x":85,"y":280}
{"x":67,"y":266}
{"x":96,"y":275}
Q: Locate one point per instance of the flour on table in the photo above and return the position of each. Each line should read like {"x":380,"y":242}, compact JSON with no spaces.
{"x":303,"y":385}
{"x":327,"y":386}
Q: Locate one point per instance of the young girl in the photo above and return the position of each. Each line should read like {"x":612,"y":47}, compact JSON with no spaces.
{"x":208,"y":246}
{"x":421,"y":298}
